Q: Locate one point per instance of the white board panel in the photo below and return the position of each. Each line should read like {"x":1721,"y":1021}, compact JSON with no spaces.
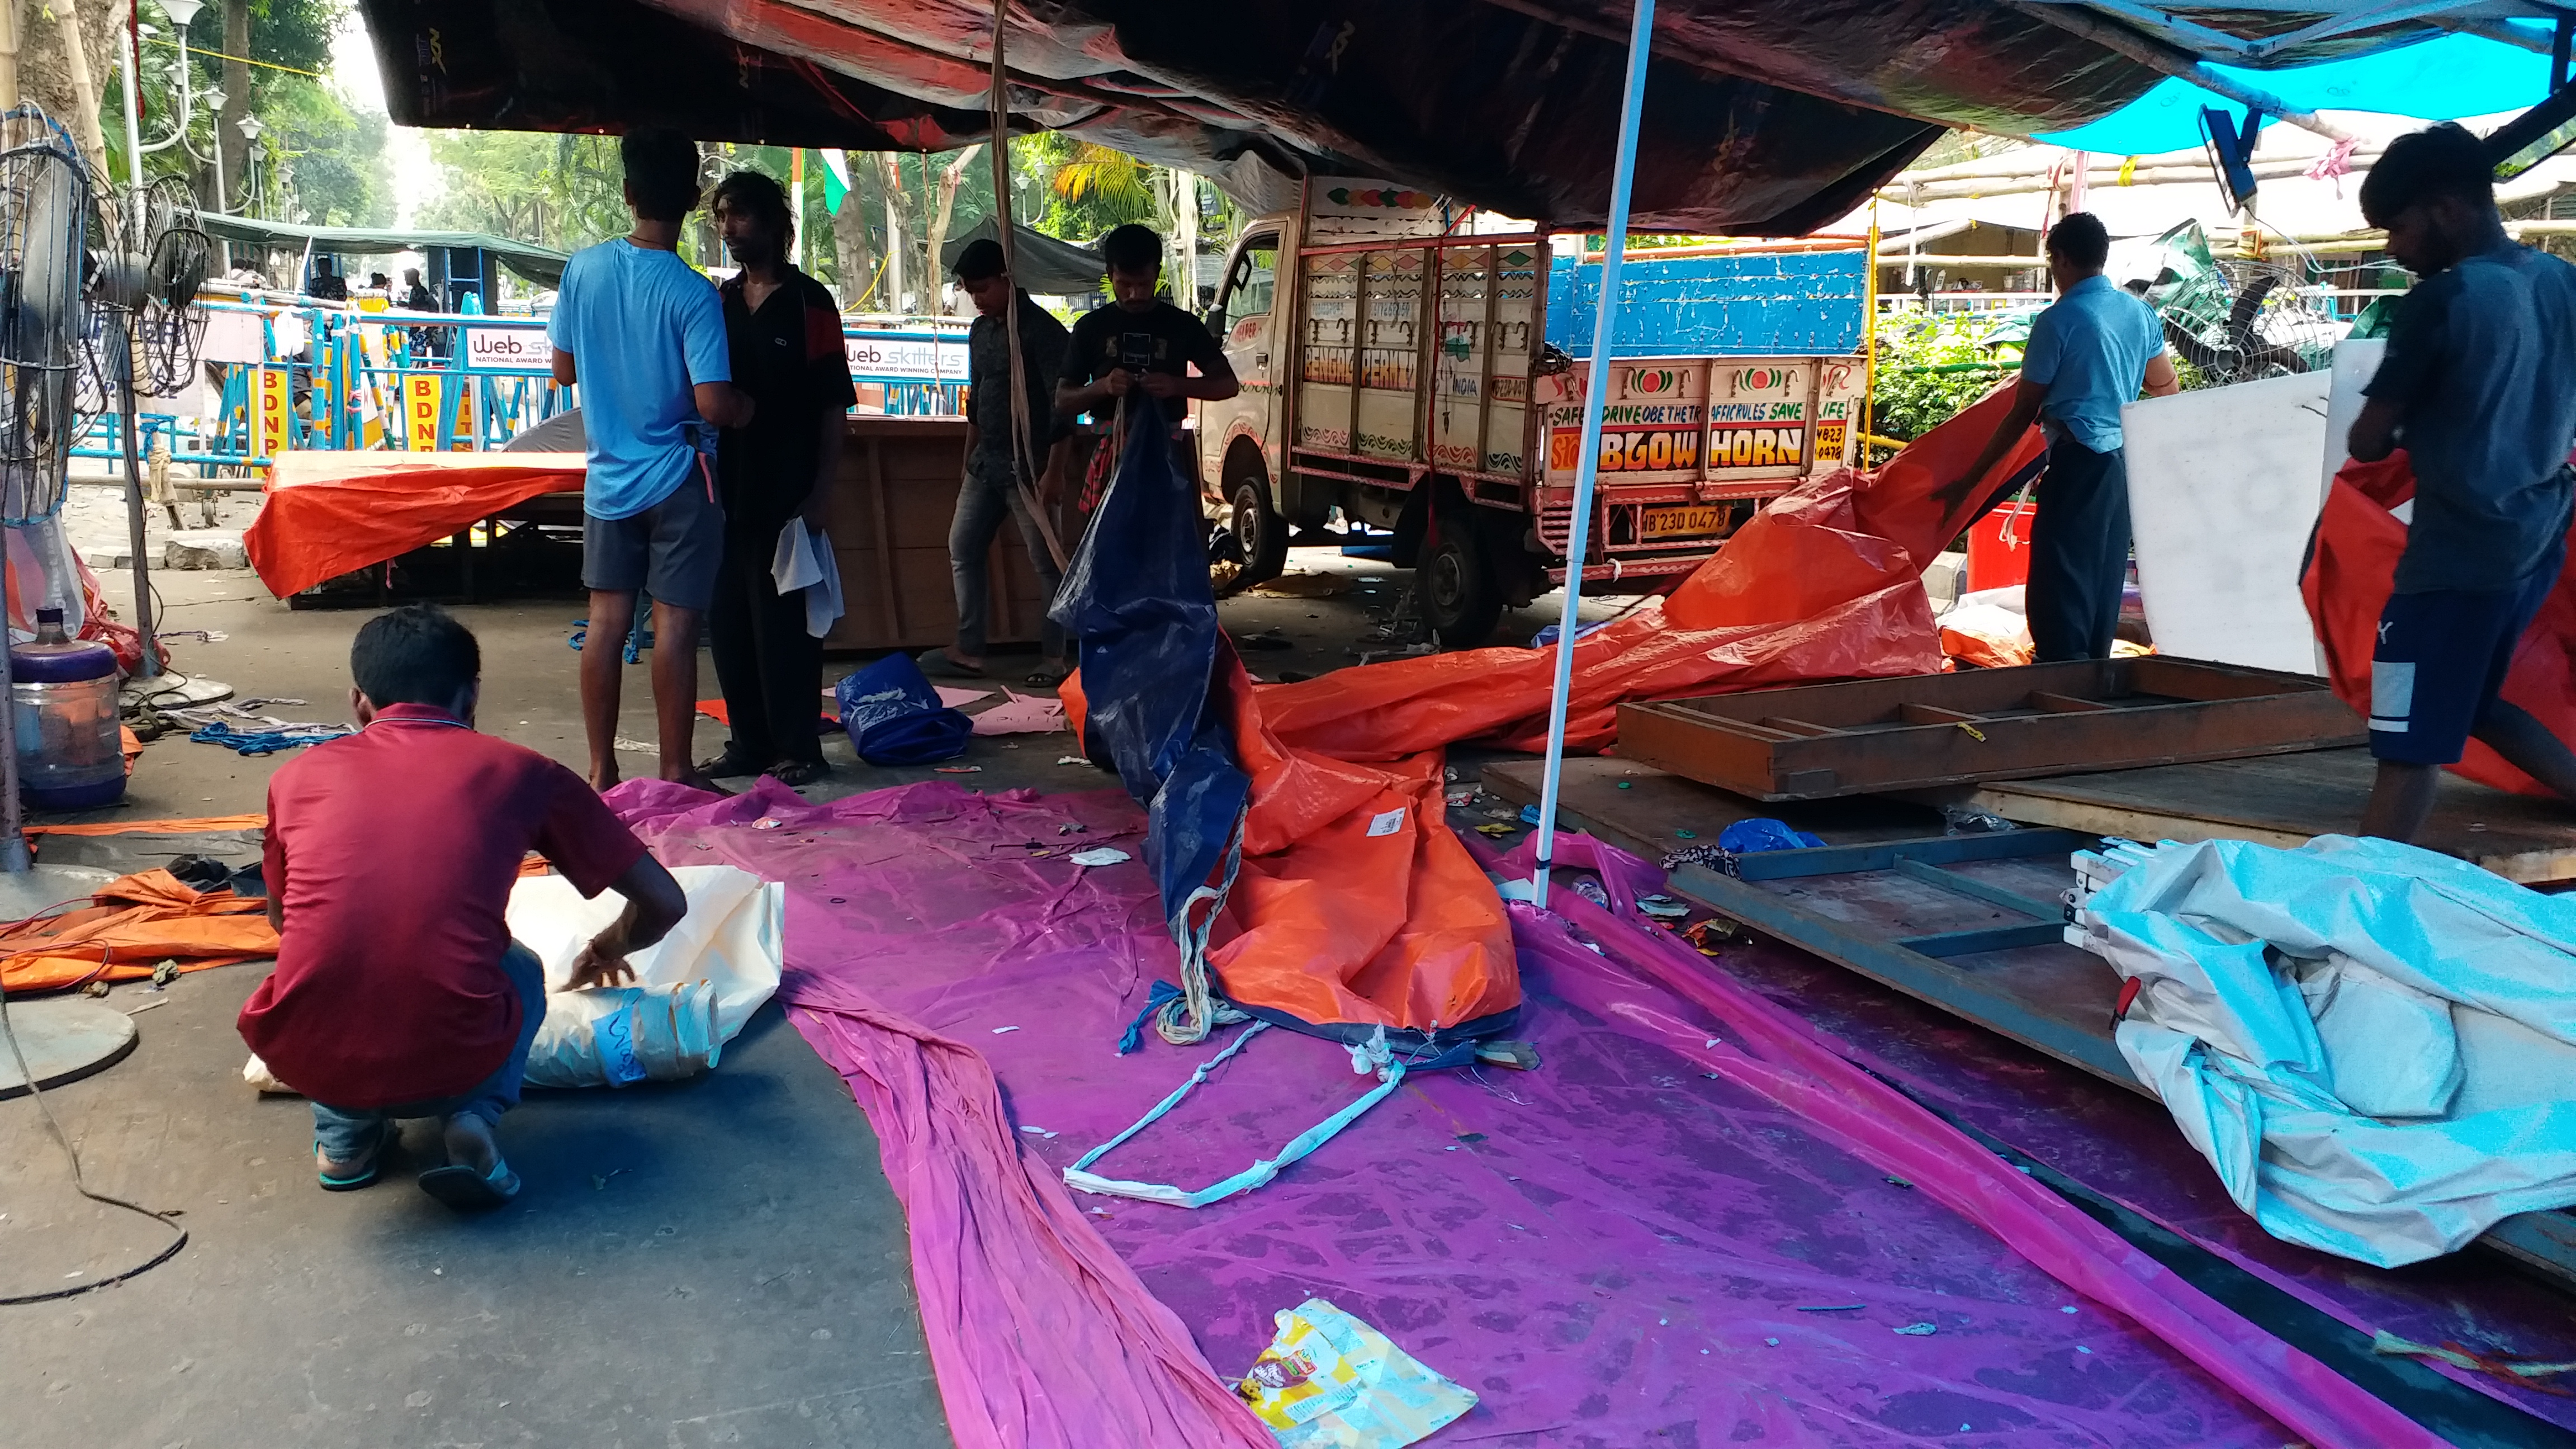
{"x":2223,"y":490}
{"x":2355,"y":363}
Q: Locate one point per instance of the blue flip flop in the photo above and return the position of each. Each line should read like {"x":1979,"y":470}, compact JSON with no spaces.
{"x":369,"y":1171}
{"x":466,"y":1190}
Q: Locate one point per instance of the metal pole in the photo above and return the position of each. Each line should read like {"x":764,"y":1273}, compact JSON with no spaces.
{"x":14,"y":857}
{"x":1614,"y":247}
{"x":136,"y":510}
{"x":125,"y":59}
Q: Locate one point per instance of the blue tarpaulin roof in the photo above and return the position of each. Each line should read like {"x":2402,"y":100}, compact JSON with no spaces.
{"x":2436,"y":80}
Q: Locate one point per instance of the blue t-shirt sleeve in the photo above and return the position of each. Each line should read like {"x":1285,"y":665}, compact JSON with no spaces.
{"x":2039,"y":358}
{"x":702,"y":336}
{"x":563,"y":324}
{"x":2151,"y":328}
{"x":2415,"y":344}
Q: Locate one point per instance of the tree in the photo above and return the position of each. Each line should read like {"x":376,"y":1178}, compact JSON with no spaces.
{"x":65,"y":80}
{"x":951,"y":176}
{"x":562,"y":191}
{"x":1091,"y":188}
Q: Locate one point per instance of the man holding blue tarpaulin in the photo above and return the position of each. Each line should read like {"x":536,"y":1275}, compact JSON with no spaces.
{"x":2088,"y":355}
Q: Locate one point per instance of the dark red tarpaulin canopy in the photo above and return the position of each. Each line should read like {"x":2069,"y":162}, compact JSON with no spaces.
{"x":1761,"y":115}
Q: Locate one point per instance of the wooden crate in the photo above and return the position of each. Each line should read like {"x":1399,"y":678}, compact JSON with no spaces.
{"x":889,"y":521}
{"x":1815,"y":741}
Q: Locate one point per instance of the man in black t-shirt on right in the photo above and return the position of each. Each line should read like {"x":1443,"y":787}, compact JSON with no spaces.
{"x":1140,"y":343}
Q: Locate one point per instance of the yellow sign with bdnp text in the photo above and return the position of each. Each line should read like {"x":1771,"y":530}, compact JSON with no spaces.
{"x":272,"y":424}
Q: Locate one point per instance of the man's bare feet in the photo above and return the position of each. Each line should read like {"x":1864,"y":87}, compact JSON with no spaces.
{"x":604,"y":779}
{"x":698,"y":780}
{"x":469,"y":1144}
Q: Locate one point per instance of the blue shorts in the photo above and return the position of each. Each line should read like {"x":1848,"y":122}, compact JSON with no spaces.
{"x":2441,"y":661}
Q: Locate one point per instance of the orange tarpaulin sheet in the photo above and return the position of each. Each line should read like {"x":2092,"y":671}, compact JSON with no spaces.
{"x":138,"y":922}
{"x":2352,"y":569}
{"x":159,"y":827}
{"x":326,"y":514}
{"x":1355,"y":902}
{"x":1825,"y":583}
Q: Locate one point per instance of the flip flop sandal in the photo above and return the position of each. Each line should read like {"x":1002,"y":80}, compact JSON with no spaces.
{"x":796,"y":773}
{"x":368,"y":1169}
{"x":466,"y":1190}
{"x":938,"y":663}
{"x":727,"y":764}
{"x":1047,"y":677}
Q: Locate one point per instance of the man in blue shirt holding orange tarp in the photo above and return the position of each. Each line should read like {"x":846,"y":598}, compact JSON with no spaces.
{"x":2088,"y":355}
{"x":642,"y":333}
{"x":2479,"y":385}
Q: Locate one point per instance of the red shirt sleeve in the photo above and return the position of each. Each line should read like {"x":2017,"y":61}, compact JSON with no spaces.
{"x":827,"y":360}
{"x":272,"y":851}
{"x":581,"y":837}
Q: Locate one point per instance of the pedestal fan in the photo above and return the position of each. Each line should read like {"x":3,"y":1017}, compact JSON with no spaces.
{"x":147,"y":258}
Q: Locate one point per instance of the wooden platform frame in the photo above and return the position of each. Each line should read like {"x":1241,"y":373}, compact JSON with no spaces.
{"x":1815,"y":741}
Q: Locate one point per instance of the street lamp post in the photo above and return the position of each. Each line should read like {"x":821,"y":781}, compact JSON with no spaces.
{"x":250,"y":127}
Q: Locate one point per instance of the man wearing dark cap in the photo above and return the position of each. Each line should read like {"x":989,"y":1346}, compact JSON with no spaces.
{"x":2479,"y":386}
{"x":991,"y":487}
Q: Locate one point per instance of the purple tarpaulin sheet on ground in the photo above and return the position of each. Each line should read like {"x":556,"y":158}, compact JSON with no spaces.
{"x":1604,"y":1249}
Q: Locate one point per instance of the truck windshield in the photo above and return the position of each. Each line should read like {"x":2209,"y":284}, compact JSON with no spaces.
{"x":1255,"y":278}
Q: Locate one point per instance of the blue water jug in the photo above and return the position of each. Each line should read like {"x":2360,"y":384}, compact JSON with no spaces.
{"x":63,"y":692}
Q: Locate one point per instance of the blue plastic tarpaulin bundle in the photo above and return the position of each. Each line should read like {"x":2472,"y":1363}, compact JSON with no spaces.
{"x":1136,"y":594}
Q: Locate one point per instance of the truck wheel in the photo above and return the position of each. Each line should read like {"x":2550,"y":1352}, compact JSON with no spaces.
{"x":1259,"y":540}
{"x":1460,"y":596}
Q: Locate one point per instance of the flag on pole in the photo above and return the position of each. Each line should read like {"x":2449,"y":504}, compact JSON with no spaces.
{"x":836,"y":179}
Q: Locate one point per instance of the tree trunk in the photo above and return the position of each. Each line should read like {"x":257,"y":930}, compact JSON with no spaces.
{"x":230,"y":143}
{"x":49,"y":76}
{"x":949,"y":180}
{"x":849,"y":239}
{"x":890,"y":167}
{"x":8,"y":54}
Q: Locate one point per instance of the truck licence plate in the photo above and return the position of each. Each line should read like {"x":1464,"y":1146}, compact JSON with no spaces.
{"x":1695,"y":521}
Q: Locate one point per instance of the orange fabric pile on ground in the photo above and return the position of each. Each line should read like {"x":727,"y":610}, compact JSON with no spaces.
{"x":2352,"y":569}
{"x":326,"y":513}
{"x":137,"y":922}
{"x":1356,"y":904}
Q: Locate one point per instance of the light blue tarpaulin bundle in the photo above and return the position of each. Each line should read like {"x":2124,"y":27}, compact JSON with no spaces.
{"x":2373,"y":1044}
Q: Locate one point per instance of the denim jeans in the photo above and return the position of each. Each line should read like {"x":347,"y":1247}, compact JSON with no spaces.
{"x":983,"y":499}
{"x":346,"y":1133}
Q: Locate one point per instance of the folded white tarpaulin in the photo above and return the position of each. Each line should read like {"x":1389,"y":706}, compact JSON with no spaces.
{"x":2372,"y":1043}
{"x":693,"y":991}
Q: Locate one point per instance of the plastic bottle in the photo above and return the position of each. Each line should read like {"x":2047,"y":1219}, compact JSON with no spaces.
{"x":63,"y":690}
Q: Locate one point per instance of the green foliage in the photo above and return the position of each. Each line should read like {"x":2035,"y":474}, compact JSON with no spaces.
{"x":1931,"y":367}
{"x":317,"y":161}
{"x":562,"y":191}
{"x":332,"y":160}
{"x":1087,"y":188}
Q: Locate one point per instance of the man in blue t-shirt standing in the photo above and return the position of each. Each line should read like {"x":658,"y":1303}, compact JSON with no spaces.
{"x":642,"y":333}
{"x":2088,"y":355}
{"x":2479,"y":386}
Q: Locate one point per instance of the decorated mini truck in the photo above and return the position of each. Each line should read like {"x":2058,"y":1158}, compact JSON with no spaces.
{"x":1408,"y":374}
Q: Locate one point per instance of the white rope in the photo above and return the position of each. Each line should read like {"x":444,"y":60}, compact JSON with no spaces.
{"x":1187,"y":1019}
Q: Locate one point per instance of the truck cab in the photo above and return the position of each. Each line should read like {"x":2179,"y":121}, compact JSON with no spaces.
{"x":1400,"y":373}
